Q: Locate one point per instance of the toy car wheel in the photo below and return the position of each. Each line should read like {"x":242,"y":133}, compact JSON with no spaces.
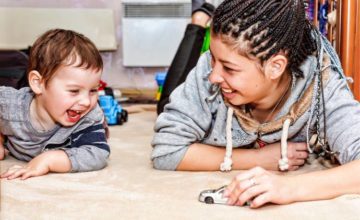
{"x":124,"y":114}
{"x":209,"y":200}
{"x":119,"y":118}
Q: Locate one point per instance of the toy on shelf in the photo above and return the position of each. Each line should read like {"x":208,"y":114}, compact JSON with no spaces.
{"x":114,"y":113}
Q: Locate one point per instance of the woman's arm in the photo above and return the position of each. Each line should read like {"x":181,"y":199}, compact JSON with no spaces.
{"x":328,"y":184}
{"x":201,"y":157}
{"x":260,"y":186}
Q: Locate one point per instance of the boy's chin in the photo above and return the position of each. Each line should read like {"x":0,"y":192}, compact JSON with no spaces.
{"x":67,"y":123}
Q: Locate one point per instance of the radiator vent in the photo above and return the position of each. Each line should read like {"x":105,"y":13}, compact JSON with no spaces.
{"x":152,"y":31}
{"x":146,"y":10}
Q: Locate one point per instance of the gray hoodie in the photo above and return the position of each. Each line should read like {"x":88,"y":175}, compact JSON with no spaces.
{"x":191,"y":117}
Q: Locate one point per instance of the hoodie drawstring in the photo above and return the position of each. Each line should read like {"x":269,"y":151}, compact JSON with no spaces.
{"x":226,"y":165}
{"x":284,"y":161}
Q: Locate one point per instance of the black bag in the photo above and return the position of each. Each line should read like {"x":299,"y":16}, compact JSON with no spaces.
{"x":13,"y":66}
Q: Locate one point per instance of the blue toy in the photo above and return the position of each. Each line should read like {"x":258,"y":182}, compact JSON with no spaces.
{"x":160,"y":80}
{"x":114,"y":113}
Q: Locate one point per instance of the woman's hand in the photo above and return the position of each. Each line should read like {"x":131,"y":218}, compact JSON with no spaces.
{"x":270,"y":155}
{"x":258,"y":187}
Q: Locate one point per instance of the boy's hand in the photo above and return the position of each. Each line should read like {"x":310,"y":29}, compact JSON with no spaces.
{"x":270,"y":155}
{"x":56,"y":161}
{"x":36,"y":167}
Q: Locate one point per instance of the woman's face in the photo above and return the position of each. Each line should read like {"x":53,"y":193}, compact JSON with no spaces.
{"x":241,"y":79}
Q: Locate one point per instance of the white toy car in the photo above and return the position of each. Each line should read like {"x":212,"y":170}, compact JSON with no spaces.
{"x":212,"y":196}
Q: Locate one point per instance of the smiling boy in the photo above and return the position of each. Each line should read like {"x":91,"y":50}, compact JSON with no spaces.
{"x":56,"y":124}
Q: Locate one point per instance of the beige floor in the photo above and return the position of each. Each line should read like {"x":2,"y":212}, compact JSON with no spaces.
{"x":130,"y":189}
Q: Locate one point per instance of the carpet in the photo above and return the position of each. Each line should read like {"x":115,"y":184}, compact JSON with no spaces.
{"x":129,"y":188}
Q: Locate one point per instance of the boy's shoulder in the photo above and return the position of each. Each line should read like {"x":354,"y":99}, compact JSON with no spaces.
{"x":14,"y":103}
{"x":15,"y":97}
{"x":7,"y":91}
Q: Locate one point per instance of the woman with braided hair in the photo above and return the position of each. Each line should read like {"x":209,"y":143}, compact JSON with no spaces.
{"x":270,"y":92}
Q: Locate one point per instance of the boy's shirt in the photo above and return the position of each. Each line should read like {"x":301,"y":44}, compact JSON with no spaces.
{"x":84,"y":143}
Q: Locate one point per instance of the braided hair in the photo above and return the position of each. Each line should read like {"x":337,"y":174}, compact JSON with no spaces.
{"x":262,"y":28}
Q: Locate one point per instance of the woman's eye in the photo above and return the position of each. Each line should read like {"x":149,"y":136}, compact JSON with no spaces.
{"x":227,"y":69}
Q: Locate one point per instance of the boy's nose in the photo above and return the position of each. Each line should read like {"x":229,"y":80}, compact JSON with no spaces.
{"x":85,"y":100}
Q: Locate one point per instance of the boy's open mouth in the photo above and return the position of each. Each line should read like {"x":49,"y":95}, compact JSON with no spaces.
{"x":74,"y":116}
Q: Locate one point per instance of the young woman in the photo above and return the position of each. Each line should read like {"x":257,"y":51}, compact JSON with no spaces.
{"x":269,"y":76}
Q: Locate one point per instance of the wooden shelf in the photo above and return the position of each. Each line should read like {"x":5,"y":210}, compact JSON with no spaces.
{"x":348,"y":36}
{"x":345,"y":36}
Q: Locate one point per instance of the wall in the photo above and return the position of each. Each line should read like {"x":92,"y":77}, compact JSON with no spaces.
{"x":136,"y":81}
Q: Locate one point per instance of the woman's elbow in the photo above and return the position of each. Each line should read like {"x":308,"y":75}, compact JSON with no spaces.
{"x":160,"y":164}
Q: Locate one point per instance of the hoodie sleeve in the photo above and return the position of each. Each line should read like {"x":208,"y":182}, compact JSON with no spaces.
{"x":89,"y":149}
{"x":342,"y":119}
{"x":185,"y":119}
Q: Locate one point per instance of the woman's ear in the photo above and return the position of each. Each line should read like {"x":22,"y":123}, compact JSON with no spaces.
{"x":35,"y":82}
{"x":276,"y":66}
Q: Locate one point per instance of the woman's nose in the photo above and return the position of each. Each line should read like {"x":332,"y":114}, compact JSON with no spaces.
{"x":215,"y":75}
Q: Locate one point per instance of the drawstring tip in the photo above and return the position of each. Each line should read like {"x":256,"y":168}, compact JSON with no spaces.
{"x":226,"y":165}
{"x":284,"y":164}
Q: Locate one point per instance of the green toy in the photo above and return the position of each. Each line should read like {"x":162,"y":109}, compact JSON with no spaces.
{"x":206,"y":43}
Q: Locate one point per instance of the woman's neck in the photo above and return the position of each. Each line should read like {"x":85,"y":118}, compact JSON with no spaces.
{"x":272,"y":104}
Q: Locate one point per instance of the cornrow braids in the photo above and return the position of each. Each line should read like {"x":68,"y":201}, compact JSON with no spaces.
{"x":263,"y":28}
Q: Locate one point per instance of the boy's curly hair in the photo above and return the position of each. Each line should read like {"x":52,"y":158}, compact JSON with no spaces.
{"x":264,"y":27}
{"x":58,"y":47}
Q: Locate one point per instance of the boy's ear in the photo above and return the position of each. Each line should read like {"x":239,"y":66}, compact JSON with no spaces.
{"x":276,"y":66}
{"x":35,"y":82}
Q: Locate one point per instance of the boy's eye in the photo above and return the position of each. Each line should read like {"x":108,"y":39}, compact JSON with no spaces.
{"x":74,"y":91}
{"x":94,"y":90}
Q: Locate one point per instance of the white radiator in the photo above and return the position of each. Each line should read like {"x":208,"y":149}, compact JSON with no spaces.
{"x":152,"y":31}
